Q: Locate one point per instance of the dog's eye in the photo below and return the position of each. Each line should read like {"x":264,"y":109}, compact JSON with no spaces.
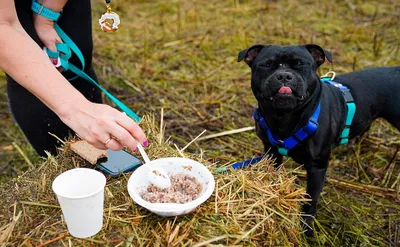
{"x":299,"y":63}
{"x":268,"y":63}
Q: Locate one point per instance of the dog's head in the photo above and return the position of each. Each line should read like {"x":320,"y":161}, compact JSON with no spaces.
{"x":284,"y":77}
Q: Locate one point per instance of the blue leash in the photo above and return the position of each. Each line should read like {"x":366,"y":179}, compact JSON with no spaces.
{"x":243,"y":164}
{"x":64,"y":52}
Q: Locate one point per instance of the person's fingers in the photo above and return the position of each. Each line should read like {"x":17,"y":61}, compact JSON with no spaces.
{"x":121,"y":135}
{"x":50,"y":44}
{"x":127,"y":123}
{"x":95,"y":142}
{"x":114,"y":145}
{"x":50,"y":40}
{"x":97,"y":136}
{"x":124,"y":137}
{"x":98,"y":145}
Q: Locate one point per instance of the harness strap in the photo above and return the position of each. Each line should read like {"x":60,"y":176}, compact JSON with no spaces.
{"x":64,"y":52}
{"x":284,"y":146}
{"x":351,"y":109}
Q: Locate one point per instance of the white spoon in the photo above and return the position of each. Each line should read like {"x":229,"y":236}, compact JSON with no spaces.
{"x":156,"y":176}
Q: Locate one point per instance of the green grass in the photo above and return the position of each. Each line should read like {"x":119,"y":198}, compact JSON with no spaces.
{"x":181,"y":56}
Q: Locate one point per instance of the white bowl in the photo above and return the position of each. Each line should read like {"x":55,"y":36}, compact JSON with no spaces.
{"x":138,"y":183}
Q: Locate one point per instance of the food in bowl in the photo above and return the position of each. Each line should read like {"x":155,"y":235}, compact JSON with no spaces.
{"x":184,"y":188}
{"x":138,"y":182}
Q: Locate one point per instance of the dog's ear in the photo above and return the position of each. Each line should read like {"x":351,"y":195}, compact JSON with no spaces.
{"x":318,"y":53}
{"x":250,"y":54}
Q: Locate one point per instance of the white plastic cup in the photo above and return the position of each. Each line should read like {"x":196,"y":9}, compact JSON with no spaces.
{"x":80,"y":192}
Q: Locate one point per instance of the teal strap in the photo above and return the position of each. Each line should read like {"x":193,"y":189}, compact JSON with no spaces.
{"x":351,"y":110}
{"x":70,"y":44}
{"x":53,"y":54}
{"x":121,"y":105}
{"x":283,"y":152}
{"x":43,"y":11}
{"x":64,"y":53}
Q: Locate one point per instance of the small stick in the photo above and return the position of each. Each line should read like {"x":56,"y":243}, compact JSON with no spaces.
{"x":58,"y":138}
{"x":357,"y":154}
{"x":389,"y":169}
{"x":23,"y":154}
{"x":53,"y":240}
{"x":161,"y":126}
{"x":6,"y":148}
{"x":5,"y":236}
{"x":197,"y":137}
{"x":369,"y":189}
{"x":39,"y":204}
{"x":180,"y":152}
{"x":395,"y":182}
{"x":108,"y":217}
{"x":74,"y":162}
{"x":44,"y":183}
{"x":211,"y":240}
{"x":254,"y":228}
{"x":230,"y":132}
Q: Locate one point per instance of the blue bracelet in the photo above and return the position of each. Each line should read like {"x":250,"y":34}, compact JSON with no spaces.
{"x":43,"y":11}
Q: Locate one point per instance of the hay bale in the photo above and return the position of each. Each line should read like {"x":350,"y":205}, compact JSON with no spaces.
{"x":258,"y":206}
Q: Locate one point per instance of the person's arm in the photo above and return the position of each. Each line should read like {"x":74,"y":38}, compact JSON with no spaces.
{"x":26,"y":63}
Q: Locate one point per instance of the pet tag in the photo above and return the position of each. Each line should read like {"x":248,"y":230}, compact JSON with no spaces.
{"x":109,"y":21}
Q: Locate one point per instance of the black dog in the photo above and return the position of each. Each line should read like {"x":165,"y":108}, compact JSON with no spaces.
{"x":285,"y":83}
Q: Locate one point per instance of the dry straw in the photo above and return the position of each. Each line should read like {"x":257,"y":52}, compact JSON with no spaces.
{"x":257,"y":206}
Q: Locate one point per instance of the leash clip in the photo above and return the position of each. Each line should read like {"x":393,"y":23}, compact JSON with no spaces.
{"x":333,"y":73}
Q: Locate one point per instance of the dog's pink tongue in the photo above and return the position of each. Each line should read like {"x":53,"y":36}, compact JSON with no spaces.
{"x":286,"y":90}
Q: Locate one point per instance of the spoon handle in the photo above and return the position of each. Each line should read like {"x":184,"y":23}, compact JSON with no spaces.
{"x":143,"y":153}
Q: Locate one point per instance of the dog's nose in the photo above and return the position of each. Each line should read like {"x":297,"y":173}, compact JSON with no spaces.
{"x":284,"y":76}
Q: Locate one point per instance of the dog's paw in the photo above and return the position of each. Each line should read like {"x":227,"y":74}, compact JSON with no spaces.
{"x":306,"y":225}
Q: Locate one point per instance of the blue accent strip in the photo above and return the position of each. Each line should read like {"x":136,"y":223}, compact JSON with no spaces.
{"x":351,"y":109}
{"x":283,"y":151}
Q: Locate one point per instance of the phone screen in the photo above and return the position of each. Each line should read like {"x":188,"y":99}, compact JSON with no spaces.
{"x":119,"y":162}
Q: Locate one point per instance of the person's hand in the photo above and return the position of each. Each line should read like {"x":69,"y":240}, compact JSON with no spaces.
{"x":47,"y":34}
{"x":104,"y":127}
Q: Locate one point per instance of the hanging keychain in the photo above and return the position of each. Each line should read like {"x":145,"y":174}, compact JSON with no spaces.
{"x":109,"y":21}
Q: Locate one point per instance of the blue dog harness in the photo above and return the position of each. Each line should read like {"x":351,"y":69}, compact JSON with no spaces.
{"x":309,"y":129}
{"x":284,"y":146}
{"x":64,"y":52}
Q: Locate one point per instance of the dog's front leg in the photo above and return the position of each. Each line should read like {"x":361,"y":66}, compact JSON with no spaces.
{"x":315,"y":182}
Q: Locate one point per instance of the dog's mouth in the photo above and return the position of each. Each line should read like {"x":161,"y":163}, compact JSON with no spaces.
{"x":285,"y":91}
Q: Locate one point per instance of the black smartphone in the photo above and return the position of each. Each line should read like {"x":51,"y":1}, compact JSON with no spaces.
{"x":119,"y":162}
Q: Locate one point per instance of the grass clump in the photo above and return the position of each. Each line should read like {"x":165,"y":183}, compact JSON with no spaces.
{"x":252,"y":207}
